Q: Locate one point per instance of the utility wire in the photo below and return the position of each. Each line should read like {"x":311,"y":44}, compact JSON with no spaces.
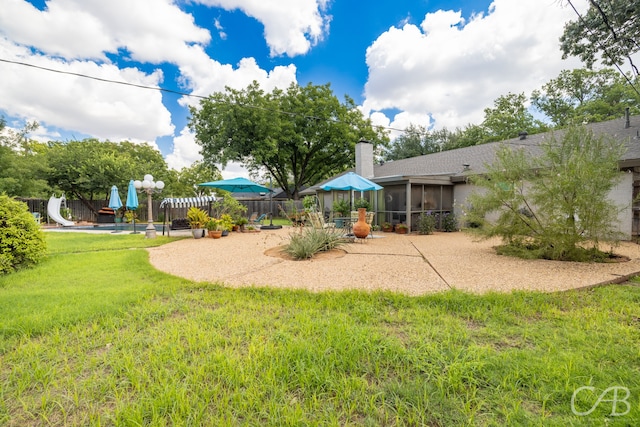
{"x":602,"y":47}
{"x":177,"y":92}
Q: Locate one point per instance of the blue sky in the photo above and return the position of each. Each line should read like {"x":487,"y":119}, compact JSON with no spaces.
{"x":433,"y":63}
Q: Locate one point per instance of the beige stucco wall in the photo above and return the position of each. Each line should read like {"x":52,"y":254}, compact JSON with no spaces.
{"x":622,"y":196}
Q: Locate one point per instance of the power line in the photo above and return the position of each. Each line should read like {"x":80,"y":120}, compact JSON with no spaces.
{"x":602,"y":47}
{"x":177,"y":92}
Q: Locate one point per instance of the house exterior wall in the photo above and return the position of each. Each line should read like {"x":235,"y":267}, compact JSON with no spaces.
{"x":622,"y":196}
{"x":460,"y":194}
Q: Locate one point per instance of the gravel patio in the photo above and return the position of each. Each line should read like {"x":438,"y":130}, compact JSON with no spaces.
{"x":411,"y":264}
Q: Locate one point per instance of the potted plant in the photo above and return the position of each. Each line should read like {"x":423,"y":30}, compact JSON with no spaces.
{"x":402,"y":228}
{"x":342,"y":209}
{"x":197,"y":219}
{"x":214,"y":229}
{"x":226,"y":223}
{"x":387,"y":227}
{"x":241,"y":222}
{"x":362,"y":203}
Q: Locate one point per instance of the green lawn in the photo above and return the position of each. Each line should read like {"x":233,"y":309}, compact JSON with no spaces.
{"x":95,"y":336}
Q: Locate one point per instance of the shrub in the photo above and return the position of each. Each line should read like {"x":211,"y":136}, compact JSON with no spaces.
{"x":449,"y":222}
{"x":22,"y":242}
{"x":557,"y":202}
{"x":309,"y":203}
{"x":426,"y":223}
{"x":312,"y":241}
{"x":227,"y":205}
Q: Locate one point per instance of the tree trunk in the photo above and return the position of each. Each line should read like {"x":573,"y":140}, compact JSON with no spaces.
{"x":86,"y":203}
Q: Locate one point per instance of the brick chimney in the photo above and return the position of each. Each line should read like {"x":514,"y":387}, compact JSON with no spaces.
{"x":364,"y":159}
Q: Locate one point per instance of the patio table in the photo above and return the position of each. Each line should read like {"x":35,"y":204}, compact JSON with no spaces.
{"x":344,"y":223}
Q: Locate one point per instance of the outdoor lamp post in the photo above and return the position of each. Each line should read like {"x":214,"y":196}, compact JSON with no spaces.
{"x":148,"y":185}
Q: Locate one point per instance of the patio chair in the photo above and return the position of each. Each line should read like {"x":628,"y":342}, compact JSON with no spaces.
{"x":258,"y":220}
{"x":369,"y":220}
{"x":317,"y":220}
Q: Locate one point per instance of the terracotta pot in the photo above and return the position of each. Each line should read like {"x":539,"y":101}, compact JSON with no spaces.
{"x":361,"y":229}
{"x":215,"y":234}
{"x":401,"y":230}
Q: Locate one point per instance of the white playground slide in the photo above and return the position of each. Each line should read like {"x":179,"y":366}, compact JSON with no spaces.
{"x":53,"y":210}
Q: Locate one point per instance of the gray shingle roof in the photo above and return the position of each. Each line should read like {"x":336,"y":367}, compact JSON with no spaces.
{"x":451,"y":162}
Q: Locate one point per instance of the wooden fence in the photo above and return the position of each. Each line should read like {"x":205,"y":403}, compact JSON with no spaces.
{"x":80,"y":212}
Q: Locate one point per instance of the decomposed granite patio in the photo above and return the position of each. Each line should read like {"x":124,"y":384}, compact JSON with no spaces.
{"x":411,"y":264}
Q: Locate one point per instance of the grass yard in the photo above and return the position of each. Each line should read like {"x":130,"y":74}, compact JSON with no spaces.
{"x":95,"y":336}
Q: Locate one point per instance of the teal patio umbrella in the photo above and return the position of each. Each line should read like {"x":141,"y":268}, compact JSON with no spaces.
{"x":115,"y":203}
{"x":351,"y":181}
{"x":132,"y":202}
{"x":236,"y":185}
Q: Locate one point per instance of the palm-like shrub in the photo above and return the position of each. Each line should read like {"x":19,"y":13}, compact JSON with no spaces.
{"x":314,"y":240}
{"x":22,"y":242}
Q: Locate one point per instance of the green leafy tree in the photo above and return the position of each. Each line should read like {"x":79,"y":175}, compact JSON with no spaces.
{"x":585,"y":96}
{"x":23,"y":162}
{"x":417,"y":140}
{"x":509,"y":117}
{"x":188,"y":178}
{"x":299,"y":136}
{"x":87,"y":169}
{"x":609,"y":30}
{"x":553,"y":206}
{"x":465,"y":137}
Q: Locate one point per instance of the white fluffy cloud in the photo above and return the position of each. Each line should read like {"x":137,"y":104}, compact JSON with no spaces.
{"x":89,"y":107}
{"x":185,"y":150}
{"x":452,"y":69}
{"x":291,"y":27}
{"x":80,"y":36}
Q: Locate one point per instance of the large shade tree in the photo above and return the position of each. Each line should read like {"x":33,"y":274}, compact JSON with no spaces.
{"x":299,"y":136}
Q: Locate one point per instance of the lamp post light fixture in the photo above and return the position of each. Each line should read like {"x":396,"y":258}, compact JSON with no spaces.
{"x":149,"y":186}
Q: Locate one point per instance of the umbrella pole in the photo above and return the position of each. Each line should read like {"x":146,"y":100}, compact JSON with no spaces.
{"x":270,"y":226}
{"x":115,"y":222}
